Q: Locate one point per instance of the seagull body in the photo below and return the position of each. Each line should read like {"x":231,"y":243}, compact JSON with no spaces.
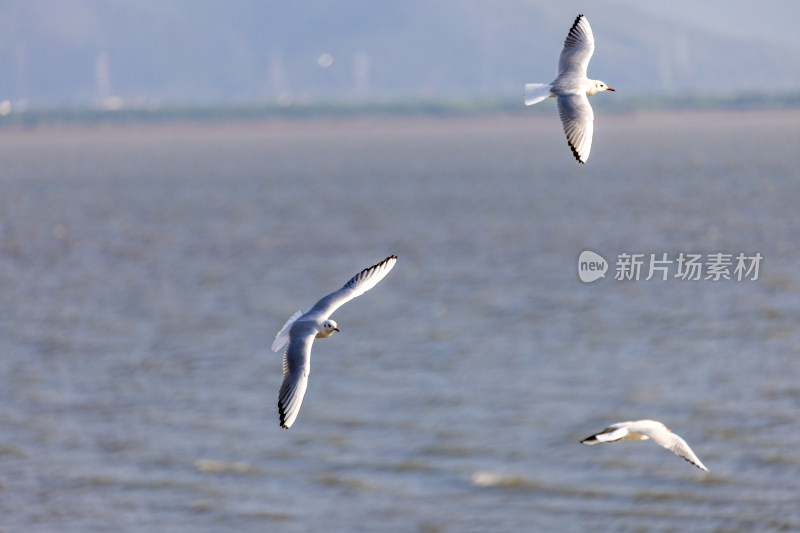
{"x":571,"y":89}
{"x":644,"y":430}
{"x":301,"y":330}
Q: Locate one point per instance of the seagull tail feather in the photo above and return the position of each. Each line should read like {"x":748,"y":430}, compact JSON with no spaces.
{"x":536,"y":92}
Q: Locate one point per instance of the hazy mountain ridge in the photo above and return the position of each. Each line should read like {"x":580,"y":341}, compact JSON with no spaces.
{"x":81,"y":52}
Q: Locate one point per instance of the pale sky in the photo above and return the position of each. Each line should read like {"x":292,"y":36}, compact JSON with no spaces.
{"x":769,"y":20}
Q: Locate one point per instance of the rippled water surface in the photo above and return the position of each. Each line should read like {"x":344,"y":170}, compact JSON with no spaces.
{"x":144,"y":271}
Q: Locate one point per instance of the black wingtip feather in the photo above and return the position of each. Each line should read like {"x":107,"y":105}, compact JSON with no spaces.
{"x":695,"y":464}
{"x":575,"y":153}
{"x":282,"y":415}
{"x":367,"y":271}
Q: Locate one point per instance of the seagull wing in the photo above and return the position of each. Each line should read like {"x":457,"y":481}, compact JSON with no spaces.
{"x":283,"y":334}
{"x":578,"y":49}
{"x":612,"y":433}
{"x":358,"y":285}
{"x":296,"y":368}
{"x":675,"y":444}
{"x":577,"y":118}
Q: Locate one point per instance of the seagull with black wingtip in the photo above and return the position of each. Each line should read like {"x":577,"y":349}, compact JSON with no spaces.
{"x":301,"y":330}
{"x":571,"y":89}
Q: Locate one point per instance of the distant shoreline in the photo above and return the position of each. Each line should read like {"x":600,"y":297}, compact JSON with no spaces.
{"x":43,"y":117}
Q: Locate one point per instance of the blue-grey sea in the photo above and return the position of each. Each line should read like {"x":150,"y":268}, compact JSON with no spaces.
{"x":145,"y":269}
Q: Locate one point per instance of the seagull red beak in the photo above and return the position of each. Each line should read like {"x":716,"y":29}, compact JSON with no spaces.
{"x":610,"y":89}
{"x":335,"y":329}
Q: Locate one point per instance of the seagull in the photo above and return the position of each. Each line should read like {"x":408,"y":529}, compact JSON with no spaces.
{"x":643,"y":430}
{"x":571,"y":89}
{"x":301,"y":330}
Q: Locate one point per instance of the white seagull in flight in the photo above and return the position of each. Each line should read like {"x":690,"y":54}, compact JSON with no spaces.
{"x":571,"y":89}
{"x":643,"y":430}
{"x":301,"y":330}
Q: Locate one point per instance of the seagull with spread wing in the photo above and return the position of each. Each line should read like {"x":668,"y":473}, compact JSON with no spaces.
{"x":571,"y":89}
{"x":301,"y":330}
{"x":643,"y":430}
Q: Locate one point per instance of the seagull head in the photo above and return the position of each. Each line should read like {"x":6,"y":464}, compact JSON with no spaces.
{"x":327,"y":329}
{"x":600,"y":86}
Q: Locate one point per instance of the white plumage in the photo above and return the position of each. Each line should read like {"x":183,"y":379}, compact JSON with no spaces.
{"x":571,"y":89}
{"x":643,"y":430}
{"x":301,"y":330}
